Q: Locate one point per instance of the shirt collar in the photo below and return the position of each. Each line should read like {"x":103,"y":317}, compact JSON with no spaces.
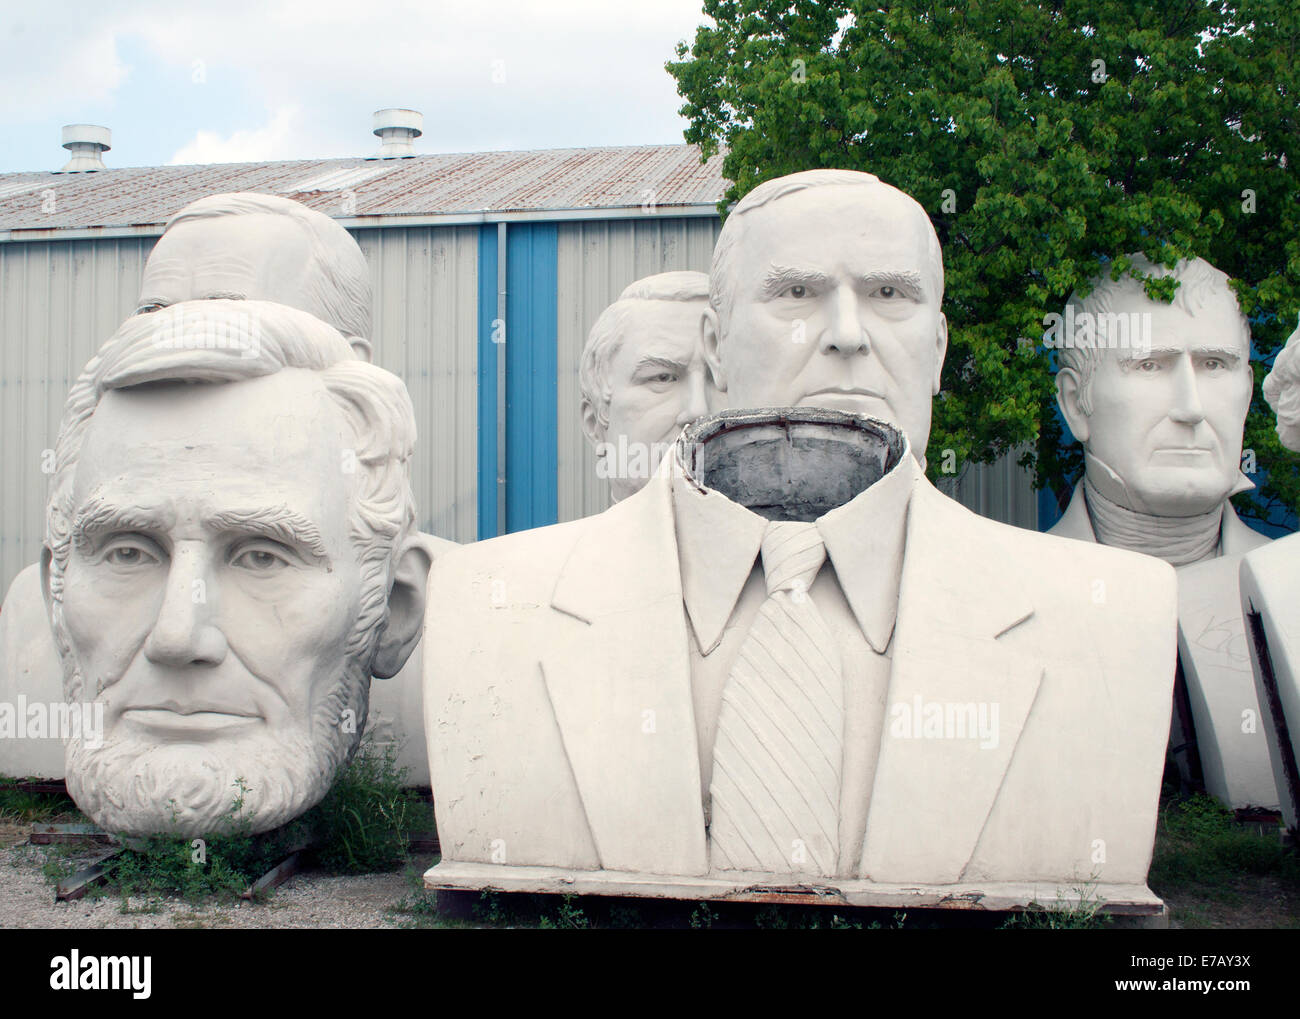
{"x":718,"y":542}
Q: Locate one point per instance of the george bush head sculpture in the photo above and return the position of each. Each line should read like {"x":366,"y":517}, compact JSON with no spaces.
{"x":228,"y":560}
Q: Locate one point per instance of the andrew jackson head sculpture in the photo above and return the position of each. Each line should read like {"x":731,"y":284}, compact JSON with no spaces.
{"x":227,"y":562}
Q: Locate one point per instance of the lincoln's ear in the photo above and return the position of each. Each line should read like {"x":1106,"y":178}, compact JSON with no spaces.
{"x":405,"y":609}
{"x":591,"y":425}
{"x":1067,"y":398}
{"x":47,"y":559}
{"x":941,"y":351}
{"x":364,"y":350}
{"x":710,"y":341}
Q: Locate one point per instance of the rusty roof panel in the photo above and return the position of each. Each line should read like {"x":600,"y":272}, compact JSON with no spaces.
{"x":549,"y":179}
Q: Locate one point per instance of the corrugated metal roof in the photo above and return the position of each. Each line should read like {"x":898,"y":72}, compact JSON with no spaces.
{"x":552,"y":179}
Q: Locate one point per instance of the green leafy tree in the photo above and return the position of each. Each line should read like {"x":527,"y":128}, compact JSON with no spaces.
{"x":1046,"y":140}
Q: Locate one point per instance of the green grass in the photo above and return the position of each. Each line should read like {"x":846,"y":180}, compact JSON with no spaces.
{"x":1082,"y":914}
{"x":363,"y":824}
{"x":1198,"y":842}
{"x":1213,"y":872}
{"x":20,"y":806}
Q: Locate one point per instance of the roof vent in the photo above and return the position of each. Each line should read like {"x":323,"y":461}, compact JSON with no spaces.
{"x":397,"y":131}
{"x":87,"y":143}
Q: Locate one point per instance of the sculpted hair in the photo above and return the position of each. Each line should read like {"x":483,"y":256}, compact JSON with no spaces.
{"x":1282,"y":391}
{"x":216,"y":342}
{"x":339,"y":277}
{"x":721,"y":284}
{"x":1199,"y":283}
{"x":607,"y":334}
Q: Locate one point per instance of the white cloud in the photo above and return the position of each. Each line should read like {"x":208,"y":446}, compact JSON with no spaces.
{"x":272,"y":141}
{"x":577,"y":72}
{"x":53,"y":57}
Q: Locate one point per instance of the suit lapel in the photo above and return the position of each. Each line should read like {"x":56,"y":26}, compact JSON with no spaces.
{"x":620,"y":689}
{"x":932,"y":792}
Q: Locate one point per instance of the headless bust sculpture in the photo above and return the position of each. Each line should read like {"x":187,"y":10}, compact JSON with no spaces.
{"x":594,"y":690}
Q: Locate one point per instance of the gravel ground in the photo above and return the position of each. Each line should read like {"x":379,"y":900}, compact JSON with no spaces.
{"x":305,"y":900}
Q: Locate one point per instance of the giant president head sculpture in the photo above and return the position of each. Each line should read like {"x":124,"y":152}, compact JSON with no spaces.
{"x":825,"y":291}
{"x":248,"y":246}
{"x":1157,"y":393}
{"x":1282,"y":391}
{"x":228,"y":559}
{"x":643,"y":376}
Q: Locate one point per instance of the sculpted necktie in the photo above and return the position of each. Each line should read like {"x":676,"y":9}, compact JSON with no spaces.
{"x":776,"y":761}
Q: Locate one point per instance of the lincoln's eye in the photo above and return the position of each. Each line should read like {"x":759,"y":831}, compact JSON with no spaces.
{"x":127,"y":555}
{"x":887,"y":291}
{"x":259,"y":560}
{"x":798,"y":290}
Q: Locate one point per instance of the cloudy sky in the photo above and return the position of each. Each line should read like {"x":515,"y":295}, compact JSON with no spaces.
{"x":248,"y":80}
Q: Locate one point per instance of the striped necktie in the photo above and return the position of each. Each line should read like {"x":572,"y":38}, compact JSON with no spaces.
{"x":776,"y":760}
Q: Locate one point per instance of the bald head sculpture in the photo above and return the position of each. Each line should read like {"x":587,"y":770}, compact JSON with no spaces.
{"x":255,"y":247}
{"x":643,"y":376}
{"x":825,"y":291}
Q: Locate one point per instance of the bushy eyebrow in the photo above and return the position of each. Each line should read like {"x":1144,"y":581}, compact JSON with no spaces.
{"x":1133,"y":357}
{"x":655,"y":361}
{"x":781,"y":276}
{"x":1222,"y":353}
{"x":899,"y":279}
{"x":101,"y":516}
{"x":275,"y":523}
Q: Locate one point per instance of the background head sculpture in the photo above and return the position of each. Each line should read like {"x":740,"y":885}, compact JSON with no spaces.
{"x":1282,"y":391}
{"x":228,"y":560}
{"x":263,"y":248}
{"x":643,"y":376}
{"x":826,"y":291}
{"x":1159,"y":398}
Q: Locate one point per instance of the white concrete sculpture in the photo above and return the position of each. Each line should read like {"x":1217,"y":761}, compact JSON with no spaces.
{"x":1270,"y":594}
{"x":228,"y":561}
{"x":643,"y":376}
{"x":252,"y":247}
{"x":992,"y":704}
{"x":1157,"y":394}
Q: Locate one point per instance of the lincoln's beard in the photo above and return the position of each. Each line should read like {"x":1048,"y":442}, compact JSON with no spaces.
{"x":135,"y":786}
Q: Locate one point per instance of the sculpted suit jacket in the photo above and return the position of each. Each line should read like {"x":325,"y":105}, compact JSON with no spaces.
{"x":560,"y":720}
{"x":1215,"y":653}
{"x":1270,"y":592}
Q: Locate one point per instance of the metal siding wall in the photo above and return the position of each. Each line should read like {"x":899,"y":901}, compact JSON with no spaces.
{"x":59,"y":300}
{"x":425,"y":332}
{"x":596,"y":260}
{"x":531,"y":317}
{"x":487,"y":382}
{"x":1001,"y":491}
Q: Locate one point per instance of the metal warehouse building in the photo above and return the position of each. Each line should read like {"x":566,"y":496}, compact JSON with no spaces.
{"x":457,"y":244}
